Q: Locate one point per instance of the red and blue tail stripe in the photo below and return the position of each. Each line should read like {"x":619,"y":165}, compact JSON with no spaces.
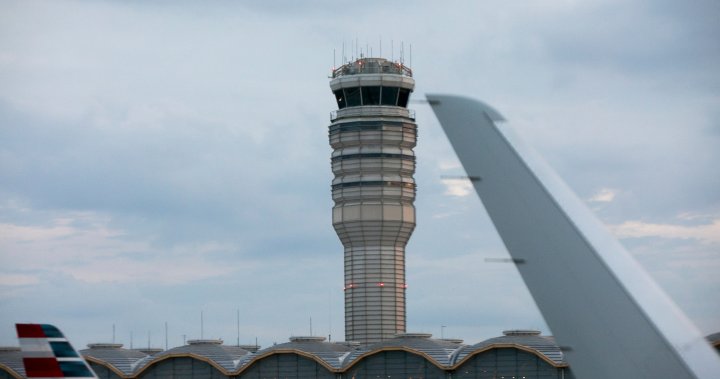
{"x":47,"y":353}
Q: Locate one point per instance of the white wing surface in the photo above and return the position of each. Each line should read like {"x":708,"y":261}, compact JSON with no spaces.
{"x":611,"y":318}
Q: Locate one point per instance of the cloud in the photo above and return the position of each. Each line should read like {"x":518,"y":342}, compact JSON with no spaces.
{"x":445,"y":215}
{"x":603,"y":195}
{"x":696,"y":216}
{"x":705,"y":233}
{"x":72,"y":236}
{"x":30,"y":233}
{"x":82,"y":245}
{"x":13,"y":280}
{"x":447,"y":164}
{"x":457,"y":187}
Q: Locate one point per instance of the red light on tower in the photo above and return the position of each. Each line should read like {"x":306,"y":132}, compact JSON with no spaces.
{"x":381,"y":284}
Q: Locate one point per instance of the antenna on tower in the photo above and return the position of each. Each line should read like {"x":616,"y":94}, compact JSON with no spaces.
{"x":238,"y":327}
{"x":392,"y":50}
{"x":311,"y":326}
{"x":380,"y":38}
{"x":113,"y":333}
{"x":202,"y":326}
{"x":344,"y":59}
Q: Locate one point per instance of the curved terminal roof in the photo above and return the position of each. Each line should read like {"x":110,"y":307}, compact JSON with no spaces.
{"x":225,"y":357}
{"x":447,"y":354}
{"x":11,"y":361}
{"x":113,"y":355}
{"x":331,"y":353}
{"x":530,"y":340}
{"x":438,"y":351}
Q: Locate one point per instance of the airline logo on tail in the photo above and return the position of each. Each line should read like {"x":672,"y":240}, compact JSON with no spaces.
{"x":47,"y":354}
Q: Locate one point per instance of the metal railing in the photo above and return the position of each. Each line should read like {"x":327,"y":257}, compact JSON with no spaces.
{"x":368,"y":66}
{"x":375,"y":110}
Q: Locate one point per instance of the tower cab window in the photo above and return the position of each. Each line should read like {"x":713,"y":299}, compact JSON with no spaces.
{"x":352,"y":96}
{"x":403,"y":97}
{"x":389,"y":95}
{"x":340,"y":98}
{"x":372,"y":95}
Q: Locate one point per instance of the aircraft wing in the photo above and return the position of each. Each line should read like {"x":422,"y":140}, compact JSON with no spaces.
{"x":48,"y":354}
{"x":611,"y":319}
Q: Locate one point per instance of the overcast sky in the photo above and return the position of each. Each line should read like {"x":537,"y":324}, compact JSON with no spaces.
{"x":159,"y":159}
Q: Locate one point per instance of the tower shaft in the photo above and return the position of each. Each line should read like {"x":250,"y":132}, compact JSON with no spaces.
{"x":373,"y":135}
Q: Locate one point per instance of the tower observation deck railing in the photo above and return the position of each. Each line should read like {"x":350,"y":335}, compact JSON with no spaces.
{"x":376,"y":110}
{"x":372,"y":66}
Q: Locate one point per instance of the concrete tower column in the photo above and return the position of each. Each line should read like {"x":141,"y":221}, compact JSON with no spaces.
{"x":372,"y":135}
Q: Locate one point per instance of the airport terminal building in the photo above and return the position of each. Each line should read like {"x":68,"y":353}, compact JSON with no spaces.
{"x":519,"y":354}
{"x":516,"y":354}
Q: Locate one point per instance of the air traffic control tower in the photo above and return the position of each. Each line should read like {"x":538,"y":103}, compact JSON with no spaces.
{"x":373,"y":135}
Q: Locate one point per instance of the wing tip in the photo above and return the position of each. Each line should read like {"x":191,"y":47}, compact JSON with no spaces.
{"x":435,"y":99}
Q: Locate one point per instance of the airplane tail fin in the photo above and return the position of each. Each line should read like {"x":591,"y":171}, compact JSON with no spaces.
{"x":48,"y":354}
